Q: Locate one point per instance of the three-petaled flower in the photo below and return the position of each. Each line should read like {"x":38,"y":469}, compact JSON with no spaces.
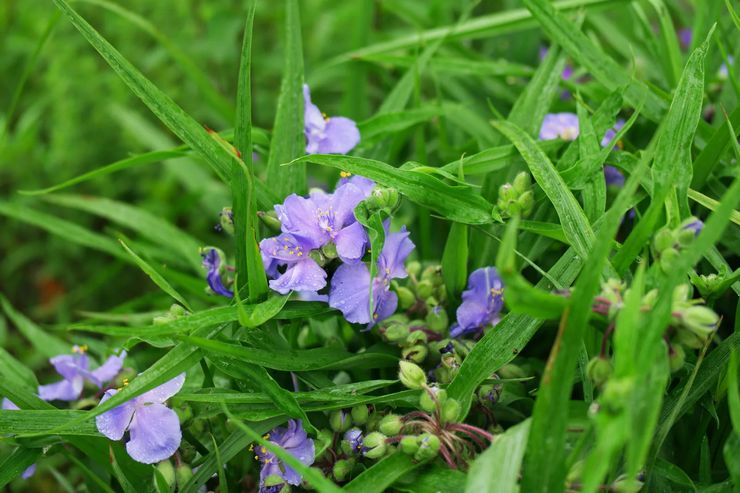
{"x":482,"y":302}
{"x":294,"y":440}
{"x":154,"y":429}
{"x":75,"y":368}
{"x":214,"y":264}
{"x":350,"y":285}
{"x":324,"y":135}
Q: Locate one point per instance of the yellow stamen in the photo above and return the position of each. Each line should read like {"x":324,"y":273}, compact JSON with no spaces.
{"x":345,"y":174}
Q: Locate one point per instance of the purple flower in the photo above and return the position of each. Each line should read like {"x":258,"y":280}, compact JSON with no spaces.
{"x":302,"y":273}
{"x":295,"y":441}
{"x":213,"y":262}
{"x":9,"y":405}
{"x":611,"y":133}
{"x":613,"y":176}
{"x":154,"y":429}
{"x":559,"y":126}
{"x":324,"y":135}
{"x":695,"y":225}
{"x":567,"y":70}
{"x":350,"y":286}
{"x":482,"y":302}
{"x":75,"y":370}
{"x":684,"y":37}
{"x":325,"y":218}
{"x":354,"y":438}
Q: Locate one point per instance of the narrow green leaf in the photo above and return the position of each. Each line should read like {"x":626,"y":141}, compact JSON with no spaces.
{"x":45,"y":343}
{"x":455,"y":260}
{"x":17,"y":462}
{"x":381,"y":475}
{"x":496,"y":470}
{"x":260,"y":313}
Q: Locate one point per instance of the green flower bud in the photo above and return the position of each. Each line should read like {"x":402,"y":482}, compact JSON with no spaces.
{"x":226,"y":220}
{"x":522,"y":182}
{"x":437,"y":320}
{"x":450,"y":411}
{"x":396,"y":333}
{"x":432,"y":397}
{"x":416,"y":353}
{"x":416,"y":337}
{"x":274,"y":480}
{"x":509,"y":371}
{"x":329,"y":250}
{"x":383,"y":198}
{"x":428,"y":447}
{"x":490,"y":394}
{"x":433,"y":274}
{"x":667,"y":259}
{"x":360,"y":414}
{"x":526,"y":203}
{"x":375,"y":446}
{"x":413,"y":268}
{"x":623,"y":484}
{"x":318,"y":257}
{"x":424,"y":289}
{"x":168,"y":472}
{"x":615,"y":393}
{"x":409,"y":444}
{"x":689,"y":339}
{"x":406,"y":298}
{"x":183,"y":474}
{"x":411,"y":375}
{"x":664,"y":239}
{"x":700,"y":320}
{"x":575,"y":473}
{"x":391,"y":425}
{"x":676,"y":357}
{"x":342,"y":468}
{"x":340,"y":421}
{"x":599,"y":370}
{"x":681,"y":294}
{"x":269,"y":219}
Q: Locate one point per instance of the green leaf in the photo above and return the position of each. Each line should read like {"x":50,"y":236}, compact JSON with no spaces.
{"x":382,"y":474}
{"x":288,"y":140}
{"x":26,"y":422}
{"x":455,"y":260}
{"x":496,"y":470}
{"x":17,"y":372}
{"x":156,"y":277}
{"x":223,"y":483}
{"x":17,"y":462}
{"x":262,"y":312}
{"x":45,"y":343}
{"x":456,"y":203}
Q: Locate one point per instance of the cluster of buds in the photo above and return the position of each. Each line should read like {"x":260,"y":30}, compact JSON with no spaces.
{"x":175,"y":312}
{"x":424,"y":295}
{"x":516,"y":198}
{"x":668,"y":243}
{"x":694,"y":322}
{"x":174,"y":476}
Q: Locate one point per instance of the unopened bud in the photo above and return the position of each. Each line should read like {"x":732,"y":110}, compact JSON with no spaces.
{"x":411,"y":375}
{"x":342,"y":468}
{"x":167,"y":471}
{"x":416,"y":353}
{"x":374,"y":445}
{"x":437,"y":319}
{"x":599,"y":370}
{"x":183,"y":474}
{"x":431,"y":398}
{"x":226,"y":220}
{"x":360,"y":414}
{"x":406,"y":298}
{"x":329,"y":250}
{"x":700,"y":320}
{"x":450,"y":411}
{"x":667,"y":259}
{"x":409,"y":444}
{"x":664,"y":239}
{"x":428,"y":447}
{"x":391,"y":425}
{"x":413,"y":268}
{"x":676,"y":357}
{"x":490,"y":393}
{"x":424,"y":289}
{"x":396,"y":332}
{"x":522,"y":182}
{"x":339,"y":421}
{"x":270,"y":219}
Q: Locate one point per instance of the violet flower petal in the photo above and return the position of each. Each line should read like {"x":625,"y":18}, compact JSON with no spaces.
{"x":349,"y":292}
{"x":113,"y":423}
{"x":298,"y":216}
{"x":340,"y":136}
{"x":9,"y":405}
{"x":155,"y":434}
{"x":65,"y":390}
{"x":613,"y":176}
{"x":304,"y":275}
{"x":108,"y":370}
{"x":351,"y":243}
{"x":30,"y":471}
{"x":159,"y":395}
{"x":396,"y":248}
{"x":69,"y":365}
{"x":559,"y":126}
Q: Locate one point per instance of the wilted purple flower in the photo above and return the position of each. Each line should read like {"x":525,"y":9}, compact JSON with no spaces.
{"x":350,"y":286}
{"x":482,"y":302}
{"x":559,"y":126}
{"x":322,"y":218}
{"x":9,"y":405}
{"x":75,"y":370}
{"x":213,"y":262}
{"x":295,"y":441}
{"x":324,"y":135}
{"x":302,"y":273}
{"x":154,"y":429}
{"x":354,"y":438}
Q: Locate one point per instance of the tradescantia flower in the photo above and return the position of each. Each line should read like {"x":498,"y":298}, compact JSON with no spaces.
{"x":350,"y":286}
{"x":154,"y":429}
{"x":214,"y":265}
{"x":559,"y":126}
{"x":482,"y":302}
{"x":325,"y":218}
{"x":75,"y":368}
{"x":354,"y":440}
{"x":9,"y":405}
{"x":294,"y":440}
{"x":302,"y":273}
{"x":325,"y":135}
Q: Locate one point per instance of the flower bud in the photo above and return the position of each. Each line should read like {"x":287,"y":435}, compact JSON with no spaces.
{"x":413,"y":268}
{"x":329,"y":251}
{"x":525,"y":202}
{"x":183,"y":474}
{"x":700,"y":320}
{"x":416,"y":353}
{"x":342,"y":468}
{"x":374,"y":445}
{"x":406,"y":298}
{"x":396,"y":333}
{"x":450,"y":411}
{"x":275,"y":483}
{"x":437,"y":319}
{"x":168,"y":472}
{"x":323,"y":441}
{"x":391,"y":425}
{"x":615,"y":394}
{"x":667,"y":259}
{"x":490,"y":393}
{"x":383,"y":198}
{"x":269,"y":219}
{"x":360,"y":414}
{"x":428,"y":447}
{"x":424,"y":289}
{"x":226,"y":220}
{"x":664,"y":239}
{"x":689,"y":339}
{"x":411,"y":375}
{"x":339,"y":421}
{"x":318,"y":257}
{"x":510,"y":371}
{"x":599,"y":369}
{"x":693,"y":225}
{"x":416,"y":336}
{"x":623,"y":484}
{"x":409,"y":444}
{"x":432,"y":397}
{"x":676,"y":357}
{"x":522,"y":182}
